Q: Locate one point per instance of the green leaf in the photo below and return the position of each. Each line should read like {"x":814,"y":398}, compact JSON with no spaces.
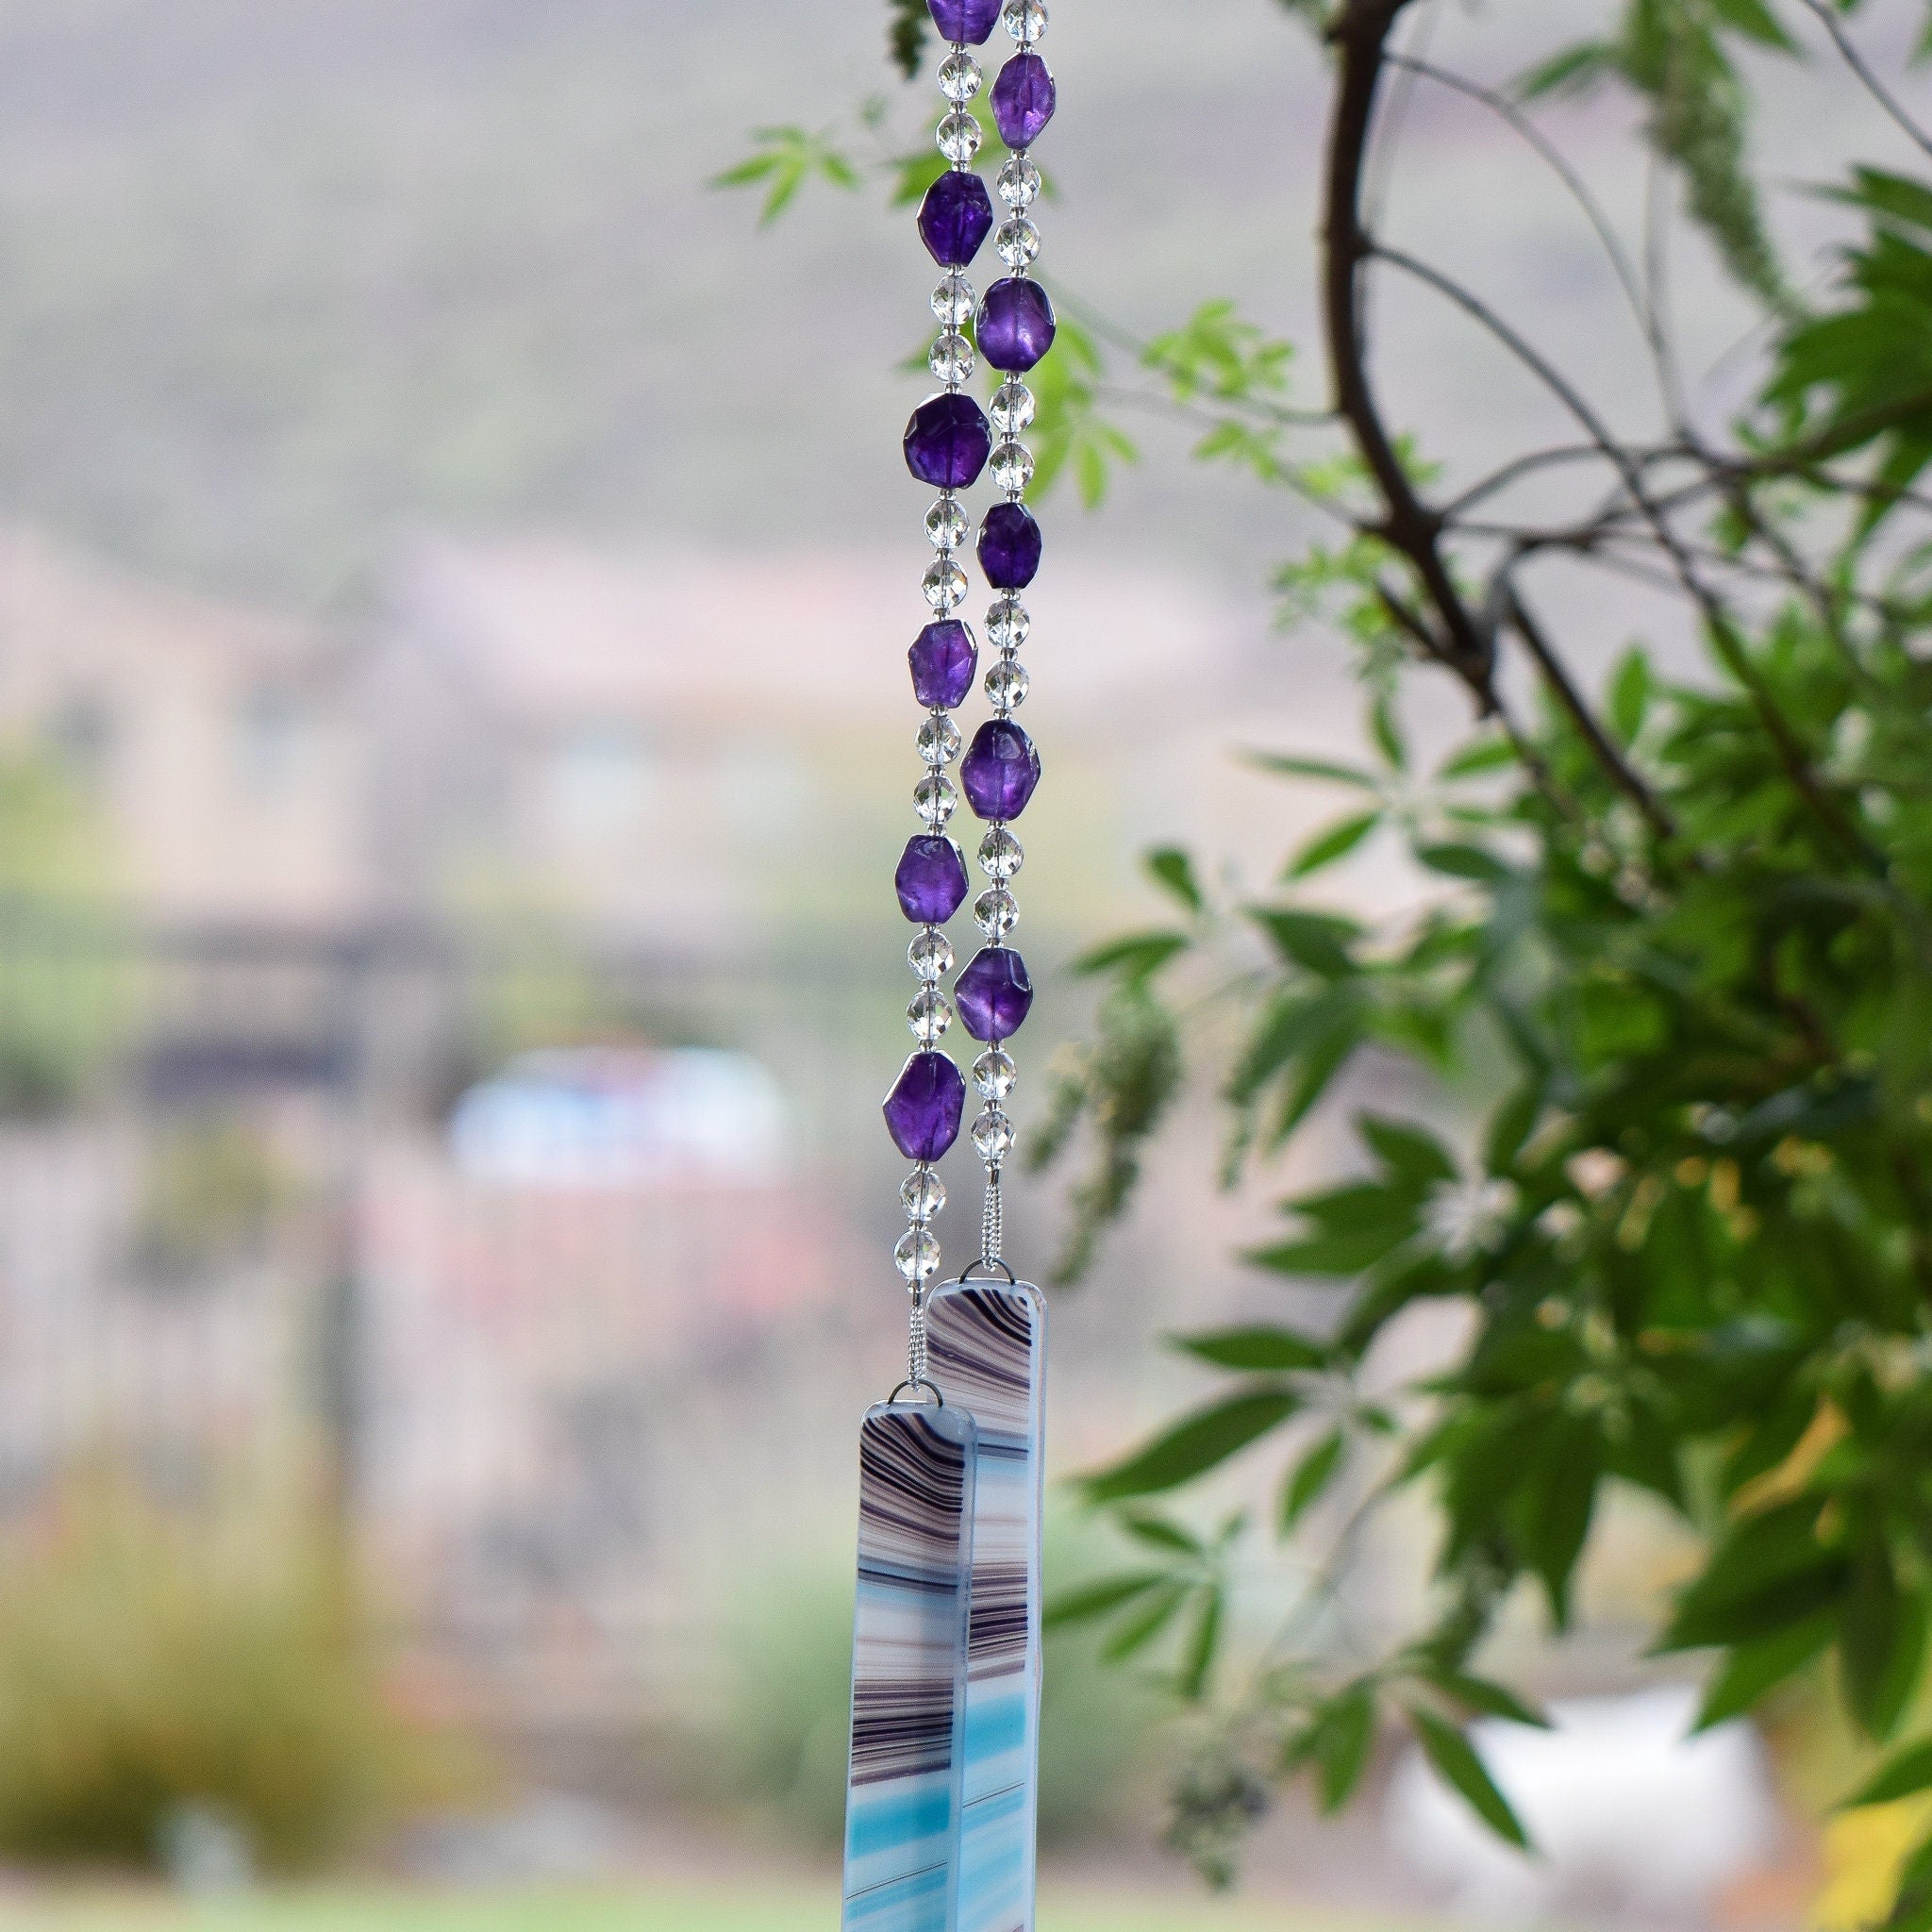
{"x":1087,"y":1601}
{"x":1770,"y":1571}
{"x":787,"y":157}
{"x":1138,"y":1631}
{"x":1257,"y":1350}
{"x":1340,"y":1744}
{"x":1196,"y":1444}
{"x":1477,"y":760}
{"x":1485,"y":1698}
{"x":1456,"y":1759}
{"x":1172,"y":868}
{"x":1407,"y":1151}
{"x":1881,"y":1644}
{"x":1387,"y":733}
{"x":1910,"y":1771}
{"x":1160,"y":1533}
{"x":1462,"y":861}
{"x":1309,"y":1479}
{"x":1751,"y":1671}
{"x":1317,"y":941}
{"x":1630,"y":695}
{"x":1198,"y":1664}
{"x":1137,"y":956}
{"x":1754,"y":20}
{"x":1332,"y":843}
{"x":1510,"y":1128}
{"x":1287,"y":766}
{"x":1574,"y":71}
{"x":1562,"y":1497}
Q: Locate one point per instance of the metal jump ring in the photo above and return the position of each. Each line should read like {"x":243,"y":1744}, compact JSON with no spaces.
{"x":988,"y":1261}
{"x":917,"y":1382}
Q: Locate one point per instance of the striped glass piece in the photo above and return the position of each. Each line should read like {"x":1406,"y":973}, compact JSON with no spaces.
{"x":988,"y":1343}
{"x":917,"y":1469}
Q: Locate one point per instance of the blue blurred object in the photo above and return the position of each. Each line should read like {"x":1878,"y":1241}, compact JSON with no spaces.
{"x":614,"y":1117}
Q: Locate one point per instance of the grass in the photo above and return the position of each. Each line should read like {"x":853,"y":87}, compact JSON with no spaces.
{"x":670,"y":1908}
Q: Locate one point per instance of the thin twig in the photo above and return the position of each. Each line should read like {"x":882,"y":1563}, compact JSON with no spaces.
{"x":1827,"y":18}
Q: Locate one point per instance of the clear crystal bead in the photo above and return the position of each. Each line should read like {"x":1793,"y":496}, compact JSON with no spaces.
{"x":1007,"y":685}
{"x":928,"y":1016}
{"x":935,"y":799}
{"x":1012,"y":407}
{"x":959,"y":76}
{"x":994,"y":1074}
{"x":944,"y":585}
{"x":1025,"y":20}
{"x":930,"y":954}
{"x":938,"y":739}
{"x":992,"y":1134}
{"x":1008,"y":624}
{"x":1012,"y":465}
{"x":946,"y":524}
{"x":1019,"y":182}
{"x":924,"y":1194}
{"x":1017,"y":243}
{"x":951,"y":357}
{"x":1000,"y":855}
{"x":951,"y":301}
{"x":917,"y":1256}
{"x":959,"y":136}
{"x":996,"y":912}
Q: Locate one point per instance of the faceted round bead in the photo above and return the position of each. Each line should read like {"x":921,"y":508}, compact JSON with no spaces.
{"x":995,"y":1075}
{"x":959,"y":136}
{"x":994,"y":994}
{"x":964,"y":22}
{"x":1017,"y":243}
{"x":944,"y":585}
{"x":1025,"y":20}
{"x":959,"y":77}
{"x":931,"y":879}
{"x":1001,"y":769}
{"x":1009,"y":543}
{"x":923,"y":1110}
{"x":1016,"y":324}
{"x":1008,"y":624}
{"x":931,"y":954}
{"x":936,"y":800}
{"x":930,"y":1015}
{"x":992,"y":1134}
{"x":918,"y":1253}
{"x":923,"y":1194}
{"x":947,"y":441}
{"x":1012,"y":407}
{"x":944,"y":659}
{"x":938,"y":739}
{"x":1023,"y":98}
{"x":946,"y":524}
{"x":1013,"y":466}
{"x":954,"y":218}
{"x":1019,"y":182}
{"x":952,"y":300}
{"x":1000,"y":854}
{"x":1007,"y":685}
{"x":951,"y":357}
{"x":996,"y":912}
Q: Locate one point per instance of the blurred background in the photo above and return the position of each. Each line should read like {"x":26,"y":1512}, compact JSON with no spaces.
{"x":453,"y":580}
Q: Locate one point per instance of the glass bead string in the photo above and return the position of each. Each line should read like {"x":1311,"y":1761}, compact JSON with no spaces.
{"x":949,"y":441}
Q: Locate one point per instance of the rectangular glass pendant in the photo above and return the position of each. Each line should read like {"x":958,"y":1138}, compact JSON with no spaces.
{"x":988,"y":1343}
{"x":918,"y":1466}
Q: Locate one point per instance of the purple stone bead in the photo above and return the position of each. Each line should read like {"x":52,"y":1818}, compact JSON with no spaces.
{"x":923,"y":1110}
{"x":1023,"y":98}
{"x":954,"y":218}
{"x":994,"y":994}
{"x":1009,"y":546}
{"x":1000,"y":770}
{"x":948,"y":440}
{"x":964,"y":19}
{"x":944,"y":659}
{"x":1016,"y":324}
{"x":931,"y":880}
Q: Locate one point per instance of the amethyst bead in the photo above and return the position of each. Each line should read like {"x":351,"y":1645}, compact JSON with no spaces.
{"x":1023,"y":98}
{"x":970,"y":21}
{"x":931,"y":880}
{"x":948,"y":440}
{"x":925,"y":1108}
{"x":1000,"y":771}
{"x":1016,"y":324}
{"x":944,"y":659}
{"x":993,"y":995}
{"x":1009,"y":546}
{"x":954,"y":218}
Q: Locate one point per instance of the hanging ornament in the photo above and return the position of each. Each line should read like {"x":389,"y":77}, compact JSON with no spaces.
{"x":942,"y":1801}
